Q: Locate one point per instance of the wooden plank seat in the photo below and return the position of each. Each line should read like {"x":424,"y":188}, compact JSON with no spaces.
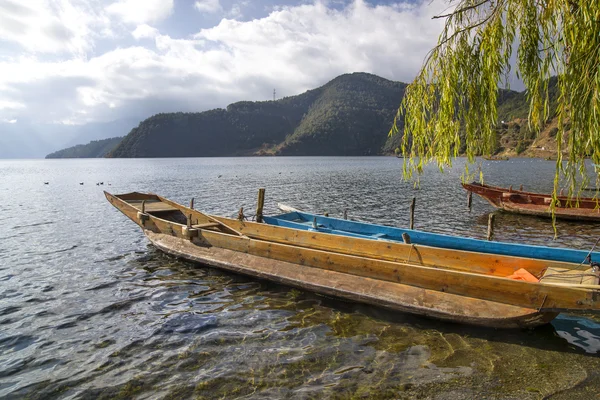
{"x":153,"y":206}
{"x":570,"y":276}
{"x":207,"y":225}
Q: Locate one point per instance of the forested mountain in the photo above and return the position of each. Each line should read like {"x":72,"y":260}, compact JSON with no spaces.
{"x":351,"y":115}
{"x":94,"y":149}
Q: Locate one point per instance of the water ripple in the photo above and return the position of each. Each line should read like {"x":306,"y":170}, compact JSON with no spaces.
{"x":89,"y":310}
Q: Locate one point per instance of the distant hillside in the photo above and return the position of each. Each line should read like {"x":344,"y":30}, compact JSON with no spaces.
{"x":94,"y":149}
{"x":515,"y":136}
{"x":350,"y":115}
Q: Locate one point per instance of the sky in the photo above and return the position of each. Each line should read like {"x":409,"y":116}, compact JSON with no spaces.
{"x":74,"y":62}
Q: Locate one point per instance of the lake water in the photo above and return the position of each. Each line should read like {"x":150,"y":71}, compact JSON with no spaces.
{"x":88,"y":309}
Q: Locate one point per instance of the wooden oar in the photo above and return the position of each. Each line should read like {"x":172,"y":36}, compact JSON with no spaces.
{"x":286,"y":208}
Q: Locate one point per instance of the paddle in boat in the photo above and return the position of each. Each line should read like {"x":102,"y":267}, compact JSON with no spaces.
{"x":490,"y":290}
{"x":538,"y":204}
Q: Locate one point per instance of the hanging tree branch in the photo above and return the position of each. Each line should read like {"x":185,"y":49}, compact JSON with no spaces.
{"x":452,"y":102}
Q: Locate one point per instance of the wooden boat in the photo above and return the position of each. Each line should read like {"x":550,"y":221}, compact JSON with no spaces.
{"x":306,"y":221}
{"x":447,"y":284}
{"x":538,"y":204}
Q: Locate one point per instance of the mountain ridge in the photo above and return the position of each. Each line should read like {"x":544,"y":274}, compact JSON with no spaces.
{"x":348,"y":116}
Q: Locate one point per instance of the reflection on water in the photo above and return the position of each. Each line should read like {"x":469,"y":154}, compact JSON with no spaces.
{"x":89,"y":310}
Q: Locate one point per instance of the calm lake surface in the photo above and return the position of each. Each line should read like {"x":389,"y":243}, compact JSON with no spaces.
{"x":88,"y":309}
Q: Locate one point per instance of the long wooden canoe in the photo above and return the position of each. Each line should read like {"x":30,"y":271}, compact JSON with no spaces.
{"x":447,"y":284}
{"x":319,"y":223}
{"x":538,"y":204}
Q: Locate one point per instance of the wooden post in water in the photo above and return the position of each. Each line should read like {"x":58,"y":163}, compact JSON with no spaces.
{"x":345,"y":213}
{"x":260,"y":205}
{"x":412,"y":213}
{"x":143,"y":206}
{"x":192,"y":203}
{"x":490,"y":232}
{"x":469,"y":200}
{"x":241,"y":215}
{"x":521,"y":187}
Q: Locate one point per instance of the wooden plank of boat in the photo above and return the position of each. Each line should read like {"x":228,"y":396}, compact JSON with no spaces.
{"x":390,"y":295}
{"x":495,"y":264}
{"x":544,"y":298}
{"x":305,"y":221}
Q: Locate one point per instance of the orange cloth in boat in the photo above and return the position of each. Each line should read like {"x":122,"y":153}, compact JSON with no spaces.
{"x":523,"y":275}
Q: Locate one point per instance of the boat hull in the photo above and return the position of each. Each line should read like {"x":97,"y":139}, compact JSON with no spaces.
{"x":536,"y":204}
{"x":389,"y":295}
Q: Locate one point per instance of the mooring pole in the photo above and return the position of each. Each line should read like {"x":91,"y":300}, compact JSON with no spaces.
{"x":260,"y":204}
{"x":192,"y":203}
{"x":469,"y":200}
{"x":143,"y":206}
{"x":490,"y":232}
{"x":412,"y":213}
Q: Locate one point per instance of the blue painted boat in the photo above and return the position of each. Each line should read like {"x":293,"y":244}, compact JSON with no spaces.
{"x":307,"y":221}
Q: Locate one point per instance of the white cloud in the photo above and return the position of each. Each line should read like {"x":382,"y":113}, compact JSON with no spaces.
{"x":209,"y":6}
{"x":292,"y":49}
{"x":144,"y":32}
{"x":141,"y":11}
{"x":51,"y":26}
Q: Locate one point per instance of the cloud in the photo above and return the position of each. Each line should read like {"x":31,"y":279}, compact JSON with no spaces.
{"x":141,"y":11}
{"x":293,"y":49}
{"x":208,"y":6}
{"x":144,"y":32}
{"x":51,"y":26}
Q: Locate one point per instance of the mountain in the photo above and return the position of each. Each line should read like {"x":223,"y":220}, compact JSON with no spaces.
{"x":348,"y":116}
{"x":94,"y":149}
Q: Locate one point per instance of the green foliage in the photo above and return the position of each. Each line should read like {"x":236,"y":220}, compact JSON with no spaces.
{"x":457,"y":88}
{"x":521,"y":147}
{"x":94,"y":149}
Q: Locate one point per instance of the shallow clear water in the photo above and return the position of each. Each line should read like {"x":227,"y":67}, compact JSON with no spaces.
{"x":89,"y":310}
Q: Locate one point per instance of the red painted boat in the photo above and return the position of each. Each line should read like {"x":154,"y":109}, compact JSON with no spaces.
{"x":521,"y":202}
